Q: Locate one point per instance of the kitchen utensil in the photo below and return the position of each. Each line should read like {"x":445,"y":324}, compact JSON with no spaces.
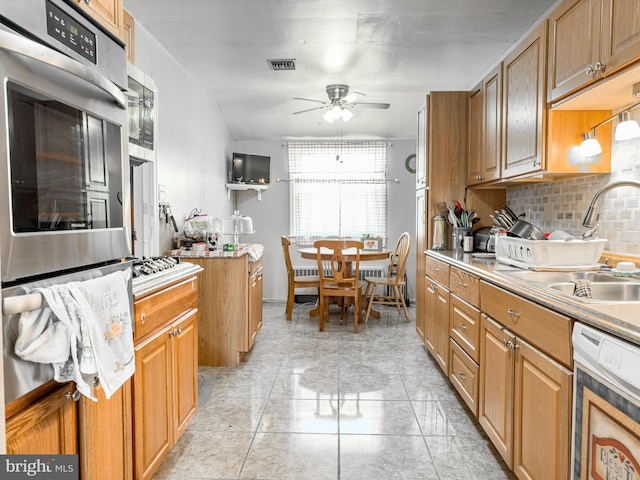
{"x":526,"y":230}
{"x":510,"y":212}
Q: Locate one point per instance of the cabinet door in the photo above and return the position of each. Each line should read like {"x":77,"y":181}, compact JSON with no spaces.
{"x":153,"y":392}
{"x":542,"y":416}
{"x":421,"y":246}
{"x":476,"y":142}
{"x":107,"y":12}
{"x":524,"y":118}
{"x":255,"y":307}
{"x":495,"y":405}
{"x":620,"y":33}
{"x":492,"y":131}
{"x":574,"y":46}
{"x":185,"y":371}
{"x":129,"y":35}
{"x":421,"y":147}
{"x":442,"y":328}
{"x":430,"y":316}
{"x":106,"y":435}
{"x":47,"y":426}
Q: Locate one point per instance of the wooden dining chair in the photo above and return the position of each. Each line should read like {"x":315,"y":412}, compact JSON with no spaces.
{"x":295,"y":281}
{"x":393,"y":282}
{"x":340,"y":280}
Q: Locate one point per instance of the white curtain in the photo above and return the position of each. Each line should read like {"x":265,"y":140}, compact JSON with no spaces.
{"x":338,"y":189}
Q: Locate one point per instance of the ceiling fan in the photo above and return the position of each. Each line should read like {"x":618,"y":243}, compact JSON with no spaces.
{"x":340,"y":102}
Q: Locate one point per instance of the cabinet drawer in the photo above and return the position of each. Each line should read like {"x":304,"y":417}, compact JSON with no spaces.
{"x":465,"y":326}
{"x":437,"y":270}
{"x":464,"y":376}
{"x":465,"y":285}
{"x":156,"y":310}
{"x":547,"y":330}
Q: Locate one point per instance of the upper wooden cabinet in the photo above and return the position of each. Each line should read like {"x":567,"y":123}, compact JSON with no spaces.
{"x":485,"y":129}
{"x":524,"y":105}
{"x":107,"y":13}
{"x":129,"y":35}
{"x":588,"y":40}
{"x":421,"y":149}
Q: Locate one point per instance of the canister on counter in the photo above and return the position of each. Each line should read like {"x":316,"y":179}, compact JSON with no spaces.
{"x":439,"y":240}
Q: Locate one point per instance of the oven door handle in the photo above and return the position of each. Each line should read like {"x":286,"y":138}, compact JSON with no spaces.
{"x":28,"y":48}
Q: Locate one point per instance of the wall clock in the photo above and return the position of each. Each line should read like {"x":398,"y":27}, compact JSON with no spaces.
{"x":410,"y":163}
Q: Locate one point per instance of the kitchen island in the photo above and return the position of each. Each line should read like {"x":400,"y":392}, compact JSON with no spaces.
{"x":230,"y":302}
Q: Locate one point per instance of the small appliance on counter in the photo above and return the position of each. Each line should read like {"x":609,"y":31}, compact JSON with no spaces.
{"x":484,"y":239}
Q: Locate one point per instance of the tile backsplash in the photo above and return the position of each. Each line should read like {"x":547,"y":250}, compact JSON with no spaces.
{"x":562,"y":204}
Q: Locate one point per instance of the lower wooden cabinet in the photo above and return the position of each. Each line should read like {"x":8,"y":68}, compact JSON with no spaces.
{"x":436,"y":320}
{"x":524,"y":404}
{"x":165,"y":383}
{"x":231,"y":309}
{"x":48,"y":426}
{"x":165,"y":392}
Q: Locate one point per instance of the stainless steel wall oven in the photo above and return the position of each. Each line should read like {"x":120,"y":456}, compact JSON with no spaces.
{"x":64,"y":171}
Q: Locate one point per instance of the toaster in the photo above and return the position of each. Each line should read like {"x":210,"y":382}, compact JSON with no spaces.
{"x":484,"y":240}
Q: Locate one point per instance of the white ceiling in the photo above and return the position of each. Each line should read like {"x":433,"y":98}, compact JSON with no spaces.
{"x":392,"y":50}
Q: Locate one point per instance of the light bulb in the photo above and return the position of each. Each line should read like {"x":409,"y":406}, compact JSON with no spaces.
{"x":590,"y":146}
{"x":627,"y":128}
{"x":346,"y":115}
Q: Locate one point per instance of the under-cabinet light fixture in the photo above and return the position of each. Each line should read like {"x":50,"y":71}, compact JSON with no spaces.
{"x":626,"y":129}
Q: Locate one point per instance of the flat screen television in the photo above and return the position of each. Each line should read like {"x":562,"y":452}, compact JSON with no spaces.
{"x":248,"y":168}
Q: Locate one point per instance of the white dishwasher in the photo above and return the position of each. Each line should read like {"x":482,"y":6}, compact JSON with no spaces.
{"x":606,"y":407}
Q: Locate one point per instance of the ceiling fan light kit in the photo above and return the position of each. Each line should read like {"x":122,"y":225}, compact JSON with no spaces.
{"x":339,"y":104}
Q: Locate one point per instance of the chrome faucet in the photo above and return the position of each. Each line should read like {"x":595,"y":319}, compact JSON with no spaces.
{"x":591,"y":217}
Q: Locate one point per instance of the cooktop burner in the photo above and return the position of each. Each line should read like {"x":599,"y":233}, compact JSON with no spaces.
{"x":153,"y":265}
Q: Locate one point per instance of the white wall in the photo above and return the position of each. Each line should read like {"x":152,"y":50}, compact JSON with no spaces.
{"x":193,"y":139}
{"x":271,"y":215}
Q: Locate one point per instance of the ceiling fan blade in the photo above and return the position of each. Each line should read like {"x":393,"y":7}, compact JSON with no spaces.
{"x":310,"y":100}
{"x":352,"y":96}
{"x":383,"y":106}
{"x":310,"y":109}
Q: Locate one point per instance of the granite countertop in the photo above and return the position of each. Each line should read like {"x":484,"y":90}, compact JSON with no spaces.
{"x":622,"y":320}
{"x":254,"y":250}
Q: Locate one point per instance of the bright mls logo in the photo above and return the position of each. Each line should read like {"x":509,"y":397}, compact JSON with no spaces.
{"x":49,"y":467}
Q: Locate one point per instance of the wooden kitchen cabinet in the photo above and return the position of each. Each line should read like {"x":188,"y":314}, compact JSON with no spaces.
{"x":105,"y":435}
{"x":165,"y":383}
{"x":129,"y":35}
{"x":47,"y":426}
{"x":436,"y":314}
{"x":255,"y":303}
{"x":231,"y":308}
{"x":590,"y":40}
{"x":525,"y":394}
{"x":524,"y":105}
{"x":485,"y":122}
{"x":108,"y":13}
{"x":421,"y":246}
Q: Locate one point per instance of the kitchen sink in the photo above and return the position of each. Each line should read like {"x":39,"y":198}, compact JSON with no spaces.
{"x":604,"y":291}
{"x":560,"y":277}
{"x":605,"y":288}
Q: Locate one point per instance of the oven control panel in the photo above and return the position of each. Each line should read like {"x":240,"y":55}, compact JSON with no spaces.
{"x":71,"y":33}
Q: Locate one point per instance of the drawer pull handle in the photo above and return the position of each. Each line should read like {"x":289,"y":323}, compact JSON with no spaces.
{"x":75,"y":396}
{"x":513,"y":313}
{"x":435,"y":269}
{"x":462,"y":376}
{"x":142,"y":318}
{"x":462,"y":284}
{"x":462,"y":327}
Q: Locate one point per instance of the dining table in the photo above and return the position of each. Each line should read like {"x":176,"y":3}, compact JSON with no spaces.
{"x":349,"y":254}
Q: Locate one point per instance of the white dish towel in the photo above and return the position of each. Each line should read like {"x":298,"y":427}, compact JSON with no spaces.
{"x":88,"y":332}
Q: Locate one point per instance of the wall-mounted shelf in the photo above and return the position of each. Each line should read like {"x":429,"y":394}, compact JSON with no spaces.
{"x":245,"y":186}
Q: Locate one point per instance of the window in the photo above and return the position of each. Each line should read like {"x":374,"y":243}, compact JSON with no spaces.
{"x":338,"y":189}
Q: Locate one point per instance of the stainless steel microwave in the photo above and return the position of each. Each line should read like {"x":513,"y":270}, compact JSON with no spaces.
{"x":141,"y":97}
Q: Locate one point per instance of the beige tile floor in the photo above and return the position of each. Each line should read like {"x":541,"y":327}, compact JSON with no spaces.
{"x":310,"y":405}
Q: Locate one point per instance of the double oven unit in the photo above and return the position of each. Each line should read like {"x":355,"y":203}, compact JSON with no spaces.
{"x":64,"y":166}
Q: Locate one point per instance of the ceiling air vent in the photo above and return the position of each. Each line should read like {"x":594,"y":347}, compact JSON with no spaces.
{"x":286,"y":64}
